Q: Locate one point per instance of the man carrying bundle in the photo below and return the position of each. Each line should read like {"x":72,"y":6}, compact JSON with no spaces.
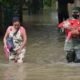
{"x":72,"y":41}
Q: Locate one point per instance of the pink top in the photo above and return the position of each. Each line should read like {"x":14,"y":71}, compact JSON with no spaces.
{"x":10,"y":28}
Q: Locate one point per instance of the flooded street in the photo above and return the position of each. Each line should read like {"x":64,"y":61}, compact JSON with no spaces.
{"x":45,"y":44}
{"x":55,"y":71}
{"x":45,"y":57}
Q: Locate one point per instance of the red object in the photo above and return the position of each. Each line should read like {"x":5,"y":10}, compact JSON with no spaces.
{"x":74,"y":24}
{"x":69,"y":36}
{"x":79,"y":29}
{"x":61,"y":25}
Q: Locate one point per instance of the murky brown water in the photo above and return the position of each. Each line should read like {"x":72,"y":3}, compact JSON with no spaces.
{"x":44,"y":59}
{"x":30,"y":71}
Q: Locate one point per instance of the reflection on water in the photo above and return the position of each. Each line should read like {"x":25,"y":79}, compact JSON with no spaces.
{"x":15,"y":72}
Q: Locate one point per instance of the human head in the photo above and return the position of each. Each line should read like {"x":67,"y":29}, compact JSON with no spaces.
{"x":76,"y":12}
{"x":16,"y":22}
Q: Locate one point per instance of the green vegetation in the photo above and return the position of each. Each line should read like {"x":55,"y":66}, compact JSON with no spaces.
{"x":49,"y":3}
{"x":7,"y":2}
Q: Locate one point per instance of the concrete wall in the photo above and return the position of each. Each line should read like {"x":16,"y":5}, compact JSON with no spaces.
{"x":77,"y":3}
{"x":70,"y":6}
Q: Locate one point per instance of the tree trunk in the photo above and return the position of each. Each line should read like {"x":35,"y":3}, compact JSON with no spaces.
{"x":1,"y":21}
{"x":17,"y":9}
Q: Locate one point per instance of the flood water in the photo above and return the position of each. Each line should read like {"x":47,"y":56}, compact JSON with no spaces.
{"x":45,"y":57}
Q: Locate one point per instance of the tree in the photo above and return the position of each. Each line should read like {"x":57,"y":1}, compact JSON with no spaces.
{"x":48,"y":3}
{"x":9,"y":9}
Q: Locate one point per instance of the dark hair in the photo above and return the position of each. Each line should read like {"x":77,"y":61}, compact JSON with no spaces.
{"x":15,"y":19}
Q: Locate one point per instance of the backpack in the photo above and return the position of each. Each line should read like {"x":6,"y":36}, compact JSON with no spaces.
{"x":10,"y":44}
{"x":9,"y":41}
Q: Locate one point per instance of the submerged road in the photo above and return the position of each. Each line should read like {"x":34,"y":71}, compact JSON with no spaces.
{"x":45,"y":57}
